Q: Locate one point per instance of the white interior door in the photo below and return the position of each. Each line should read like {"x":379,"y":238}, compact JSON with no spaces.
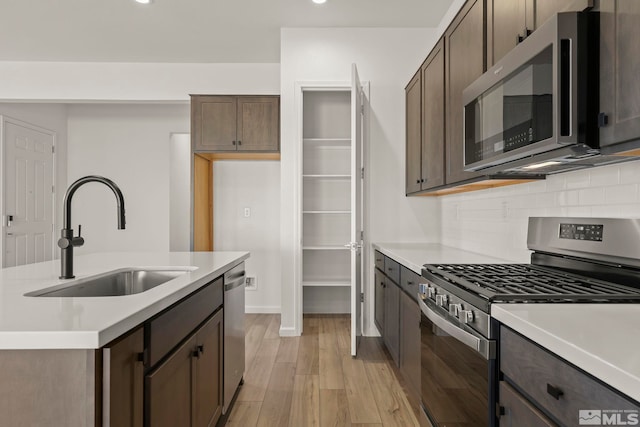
{"x":356,"y":208}
{"x":27,"y":190}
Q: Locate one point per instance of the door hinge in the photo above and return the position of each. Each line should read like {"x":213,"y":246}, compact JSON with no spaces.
{"x":361,"y":235}
{"x":53,"y":188}
{"x":362,"y":173}
{"x":362,"y":109}
{"x":361,"y":296}
{"x":53,"y":149}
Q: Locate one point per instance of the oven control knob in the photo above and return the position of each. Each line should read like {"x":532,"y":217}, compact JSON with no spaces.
{"x":431,"y":292}
{"x":454,"y":309}
{"x":466,"y":316}
{"x":441,"y":300}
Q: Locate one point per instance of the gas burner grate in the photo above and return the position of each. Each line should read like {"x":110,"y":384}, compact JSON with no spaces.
{"x":518,"y":282}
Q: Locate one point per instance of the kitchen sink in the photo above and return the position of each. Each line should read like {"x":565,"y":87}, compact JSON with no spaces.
{"x":126,"y":281}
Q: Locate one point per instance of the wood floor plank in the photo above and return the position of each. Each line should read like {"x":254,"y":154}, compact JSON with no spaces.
{"x":256,"y":377}
{"x":276,"y":406}
{"x":334,"y":409}
{"x":244,"y":414}
{"x":253,"y":337}
{"x":330,"y":360}
{"x":273,"y":330}
{"x":308,"y":356}
{"x":305,"y":404}
{"x":362,"y":405}
{"x":288,"y":351}
{"x":392,"y":404}
{"x":342,"y":325}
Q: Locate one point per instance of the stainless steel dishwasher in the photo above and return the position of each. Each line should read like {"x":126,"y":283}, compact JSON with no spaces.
{"x":233,"y":332}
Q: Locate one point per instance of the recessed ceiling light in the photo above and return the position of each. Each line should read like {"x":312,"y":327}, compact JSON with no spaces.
{"x":319,"y":1}
{"x":143,"y":1}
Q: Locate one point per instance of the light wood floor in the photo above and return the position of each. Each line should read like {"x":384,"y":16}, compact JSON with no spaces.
{"x":313,"y":381}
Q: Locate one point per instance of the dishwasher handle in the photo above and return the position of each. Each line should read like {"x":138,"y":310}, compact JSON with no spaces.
{"x":234,"y":278}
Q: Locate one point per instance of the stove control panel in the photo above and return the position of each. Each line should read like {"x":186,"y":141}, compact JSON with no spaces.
{"x":588,"y":232}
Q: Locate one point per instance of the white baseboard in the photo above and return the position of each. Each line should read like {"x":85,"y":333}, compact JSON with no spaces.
{"x":262,"y":309}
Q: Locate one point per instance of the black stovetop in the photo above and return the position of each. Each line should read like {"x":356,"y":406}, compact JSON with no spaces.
{"x":528,"y":282}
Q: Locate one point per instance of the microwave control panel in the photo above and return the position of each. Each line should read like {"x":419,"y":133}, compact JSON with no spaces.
{"x":590,"y":232}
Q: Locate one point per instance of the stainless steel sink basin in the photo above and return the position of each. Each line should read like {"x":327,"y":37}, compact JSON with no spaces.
{"x":126,"y":281}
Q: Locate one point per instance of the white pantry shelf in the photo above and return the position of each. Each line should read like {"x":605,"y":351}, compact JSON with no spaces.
{"x":327,"y":283}
{"x":326,"y":248}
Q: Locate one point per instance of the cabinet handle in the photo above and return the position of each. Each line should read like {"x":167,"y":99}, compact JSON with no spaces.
{"x":140,"y":357}
{"x":233,"y":142}
{"x":527,"y":32}
{"x":554,"y":391}
{"x":519,"y":39}
{"x":417,"y":181}
{"x":409,"y":282}
{"x":239,"y":142}
{"x":201,"y":349}
{"x":196,"y":354}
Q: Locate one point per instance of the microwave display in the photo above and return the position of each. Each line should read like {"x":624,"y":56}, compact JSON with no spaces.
{"x":514,"y":113}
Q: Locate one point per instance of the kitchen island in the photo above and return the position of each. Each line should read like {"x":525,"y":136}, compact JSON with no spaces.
{"x":115,"y":360}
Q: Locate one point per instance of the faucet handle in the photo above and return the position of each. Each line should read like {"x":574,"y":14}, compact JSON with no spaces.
{"x":78,"y":240}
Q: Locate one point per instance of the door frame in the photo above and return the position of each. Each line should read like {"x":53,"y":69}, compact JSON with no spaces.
{"x":54,"y":172}
{"x":300,"y":88}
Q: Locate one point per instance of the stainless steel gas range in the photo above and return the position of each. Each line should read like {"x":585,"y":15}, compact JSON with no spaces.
{"x":577,"y":260}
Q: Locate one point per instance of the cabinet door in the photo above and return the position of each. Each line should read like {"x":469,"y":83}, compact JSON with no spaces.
{"x":506,"y":20}
{"x":208,"y":372}
{"x":619,"y":70}
{"x":379,"y":296}
{"x":123,"y":367}
{"x":410,"y":342}
{"x":392,"y":319}
{"x":433,"y":118}
{"x":465,"y":63}
{"x":518,"y":411}
{"x":169,"y":389}
{"x":414,"y":134}
{"x":258,"y":126}
{"x":213,"y":123}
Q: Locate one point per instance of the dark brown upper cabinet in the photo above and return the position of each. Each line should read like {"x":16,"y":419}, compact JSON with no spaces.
{"x":433,"y":118}
{"x":511,"y":21}
{"x":619,"y":71}
{"x":465,"y":62}
{"x":413,"y":97}
{"x":426,"y":124}
{"x":235,"y":123}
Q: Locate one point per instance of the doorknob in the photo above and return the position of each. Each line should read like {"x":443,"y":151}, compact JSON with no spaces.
{"x":9,"y":220}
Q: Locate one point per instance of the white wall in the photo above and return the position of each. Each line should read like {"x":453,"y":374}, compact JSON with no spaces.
{"x":387,"y":58}
{"x":255,"y":185}
{"x":494,"y":221}
{"x":128,"y":143}
{"x":99,"y":81}
{"x":54,"y":118}
{"x":180,"y":192}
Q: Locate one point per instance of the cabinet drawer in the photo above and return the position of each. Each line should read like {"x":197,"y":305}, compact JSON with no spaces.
{"x":518,"y":411}
{"x":169,"y":328}
{"x":409,"y":282}
{"x":557,"y":387}
{"x":379,"y":261}
{"x":392,"y":269}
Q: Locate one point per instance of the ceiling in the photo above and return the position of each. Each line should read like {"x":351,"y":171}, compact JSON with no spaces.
{"x":185,"y":30}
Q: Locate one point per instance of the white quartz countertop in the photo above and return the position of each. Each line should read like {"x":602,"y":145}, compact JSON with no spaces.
{"x":414,"y":255}
{"x":88,"y":323}
{"x":601,"y":339}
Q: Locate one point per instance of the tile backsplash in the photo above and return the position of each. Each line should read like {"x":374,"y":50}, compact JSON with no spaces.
{"x":494,"y":221}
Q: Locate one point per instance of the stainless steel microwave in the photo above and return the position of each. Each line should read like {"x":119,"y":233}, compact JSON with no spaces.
{"x":539,"y":102}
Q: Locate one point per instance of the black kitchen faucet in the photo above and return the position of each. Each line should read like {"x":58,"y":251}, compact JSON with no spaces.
{"x":67,"y":241}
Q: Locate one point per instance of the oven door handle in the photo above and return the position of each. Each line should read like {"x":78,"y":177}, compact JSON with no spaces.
{"x":485,"y":347}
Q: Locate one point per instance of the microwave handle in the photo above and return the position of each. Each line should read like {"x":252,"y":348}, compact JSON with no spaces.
{"x":566,"y":87}
{"x":483,"y":346}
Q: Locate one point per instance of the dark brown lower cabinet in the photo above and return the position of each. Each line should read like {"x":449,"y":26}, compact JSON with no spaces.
{"x":185,"y":389}
{"x":123,"y":375}
{"x":379,"y":297}
{"x":208,"y":372}
{"x":391,"y":327}
{"x":518,"y":411}
{"x":410,"y":342}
